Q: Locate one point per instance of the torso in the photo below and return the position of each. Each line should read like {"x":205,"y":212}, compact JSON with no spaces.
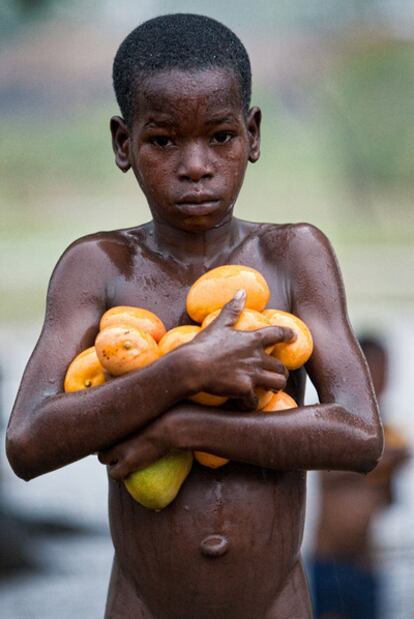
{"x":340,"y":489}
{"x":162,"y":569}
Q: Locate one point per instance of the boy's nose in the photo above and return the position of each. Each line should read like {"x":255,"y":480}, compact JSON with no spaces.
{"x":195,"y":163}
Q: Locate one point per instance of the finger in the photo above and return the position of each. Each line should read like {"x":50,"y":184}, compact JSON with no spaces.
{"x":108,"y":456}
{"x":274,"y":335}
{"x":272,"y":364}
{"x":232,"y":310}
{"x":133,"y":460}
{"x":120,"y":470}
{"x":243,"y":405}
{"x":249,"y":402}
{"x":270,"y":380}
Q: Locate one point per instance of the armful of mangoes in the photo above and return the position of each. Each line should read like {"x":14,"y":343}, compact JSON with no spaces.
{"x":130,"y":338}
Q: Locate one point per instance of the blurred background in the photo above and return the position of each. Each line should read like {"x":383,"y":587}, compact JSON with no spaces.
{"x":335,"y":81}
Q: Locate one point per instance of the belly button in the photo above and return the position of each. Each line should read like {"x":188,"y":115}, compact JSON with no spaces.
{"x":214,"y":545}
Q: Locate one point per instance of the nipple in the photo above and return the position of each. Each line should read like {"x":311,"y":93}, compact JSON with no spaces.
{"x":214,"y":545}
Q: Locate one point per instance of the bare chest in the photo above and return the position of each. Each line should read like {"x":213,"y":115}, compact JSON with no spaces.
{"x":161,"y":285}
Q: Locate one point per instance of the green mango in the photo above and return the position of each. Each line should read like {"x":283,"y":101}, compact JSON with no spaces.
{"x":158,"y":484}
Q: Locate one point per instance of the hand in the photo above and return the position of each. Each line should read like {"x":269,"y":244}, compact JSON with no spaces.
{"x":233,"y":363}
{"x":139,"y":450}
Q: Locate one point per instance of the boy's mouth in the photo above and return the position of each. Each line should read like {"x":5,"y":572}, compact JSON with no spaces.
{"x":197,"y":204}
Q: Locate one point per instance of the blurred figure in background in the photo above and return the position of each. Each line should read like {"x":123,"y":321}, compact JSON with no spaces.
{"x":344,"y":578}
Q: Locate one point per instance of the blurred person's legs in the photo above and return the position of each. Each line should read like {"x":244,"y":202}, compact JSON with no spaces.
{"x":343,"y":591}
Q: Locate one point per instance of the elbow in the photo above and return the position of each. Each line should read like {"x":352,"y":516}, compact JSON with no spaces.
{"x":18,"y":451}
{"x":371,"y":448}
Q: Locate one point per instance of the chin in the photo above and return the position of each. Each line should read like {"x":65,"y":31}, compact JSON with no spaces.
{"x":199,"y":224}
{"x":204,"y":223}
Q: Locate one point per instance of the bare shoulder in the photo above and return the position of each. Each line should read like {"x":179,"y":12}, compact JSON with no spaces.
{"x":309,"y":262}
{"x":100,"y":248}
{"x":295,"y":240}
{"x":93,"y":259}
{"x":80,"y":281}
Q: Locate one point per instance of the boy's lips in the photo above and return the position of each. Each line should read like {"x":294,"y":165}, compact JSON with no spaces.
{"x":197,"y":204}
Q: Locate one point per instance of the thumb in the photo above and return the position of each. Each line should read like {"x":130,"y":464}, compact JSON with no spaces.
{"x":232,"y":310}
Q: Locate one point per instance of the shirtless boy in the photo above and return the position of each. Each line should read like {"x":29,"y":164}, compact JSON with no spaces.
{"x":228,"y":547}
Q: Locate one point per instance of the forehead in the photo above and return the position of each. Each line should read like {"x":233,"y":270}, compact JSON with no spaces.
{"x":177,"y":92}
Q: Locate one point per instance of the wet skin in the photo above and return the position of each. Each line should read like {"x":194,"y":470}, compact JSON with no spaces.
{"x":229,"y":545}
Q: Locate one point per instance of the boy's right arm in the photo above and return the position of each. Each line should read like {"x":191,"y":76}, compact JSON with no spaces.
{"x":49,"y":428}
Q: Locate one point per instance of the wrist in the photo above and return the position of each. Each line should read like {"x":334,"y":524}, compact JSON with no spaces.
{"x":185,"y":366}
{"x":175,"y":429}
{"x":182,"y":369}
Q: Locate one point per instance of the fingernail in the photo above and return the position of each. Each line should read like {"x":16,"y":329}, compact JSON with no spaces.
{"x":240,"y":294}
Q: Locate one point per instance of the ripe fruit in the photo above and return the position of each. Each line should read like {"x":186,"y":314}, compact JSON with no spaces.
{"x":122,"y":349}
{"x":249,"y":320}
{"x":206,"y":459}
{"x":292,"y":354}
{"x":177,"y":337}
{"x":159,"y":483}
{"x":135,"y":317}
{"x":215,"y":288}
{"x":264,"y":397}
{"x":280,"y":401}
{"x":84,"y":371}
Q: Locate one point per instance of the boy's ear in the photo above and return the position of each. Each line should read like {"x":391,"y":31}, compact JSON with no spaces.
{"x":254,"y":119}
{"x":120,"y":142}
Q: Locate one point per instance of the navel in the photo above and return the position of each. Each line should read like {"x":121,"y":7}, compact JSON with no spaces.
{"x":214,"y":545}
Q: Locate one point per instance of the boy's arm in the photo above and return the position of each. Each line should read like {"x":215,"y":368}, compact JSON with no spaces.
{"x":343,"y":432}
{"x":49,"y":428}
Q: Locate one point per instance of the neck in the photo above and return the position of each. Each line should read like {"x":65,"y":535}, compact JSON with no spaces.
{"x":197,"y":249}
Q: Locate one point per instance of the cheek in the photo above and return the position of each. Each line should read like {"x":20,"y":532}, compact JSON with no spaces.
{"x":235,"y":167}
{"x":153,"y":175}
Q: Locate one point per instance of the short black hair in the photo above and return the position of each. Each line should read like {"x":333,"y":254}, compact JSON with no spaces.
{"x":178,"y":41}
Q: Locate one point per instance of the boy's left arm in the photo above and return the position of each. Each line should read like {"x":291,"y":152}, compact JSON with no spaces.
{"x":343,"y":432}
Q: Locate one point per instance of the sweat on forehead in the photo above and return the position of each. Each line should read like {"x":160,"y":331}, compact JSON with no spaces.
{"x":182,"y":41}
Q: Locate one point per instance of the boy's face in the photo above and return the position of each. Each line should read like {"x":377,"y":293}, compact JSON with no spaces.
{"x":188,"y":146}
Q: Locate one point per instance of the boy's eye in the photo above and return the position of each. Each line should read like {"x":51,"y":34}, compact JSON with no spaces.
{"x":222,"y":137}
{"x":161,"y":140}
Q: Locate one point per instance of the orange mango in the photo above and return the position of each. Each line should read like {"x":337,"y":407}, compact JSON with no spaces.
{"x":280,"y":401}
{"x":177,"y":337}
{"x":249,"y":320}
{"x":135,"y":317}
{"x":297,"y":352}
{"x":264,"y":396}
{"x":210,"y":460}
{"x":84,"y":371}
{"x":215,"y":288}
{"x":123,"y":349}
